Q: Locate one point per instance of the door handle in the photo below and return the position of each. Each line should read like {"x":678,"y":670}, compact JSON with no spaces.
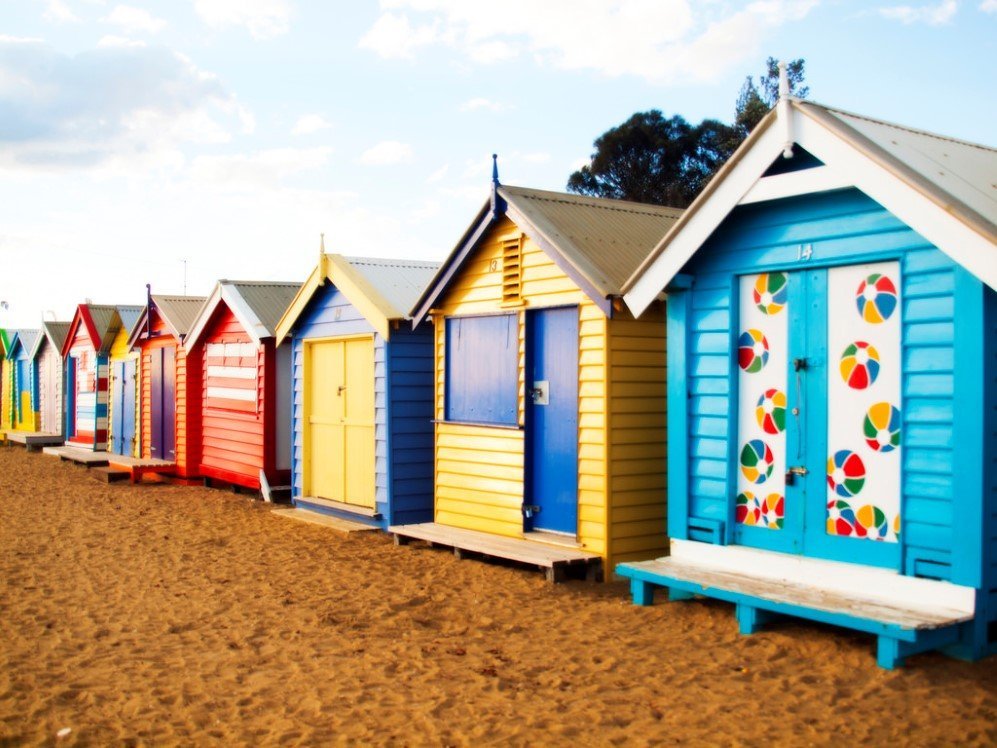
{"x":339,"y":390}
{"x":793,"y":472}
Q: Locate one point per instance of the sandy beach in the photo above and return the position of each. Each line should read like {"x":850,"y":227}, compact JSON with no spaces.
{"x":161,"y":614}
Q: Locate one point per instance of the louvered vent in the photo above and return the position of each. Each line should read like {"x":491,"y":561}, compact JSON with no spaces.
{"x":512,"y":271}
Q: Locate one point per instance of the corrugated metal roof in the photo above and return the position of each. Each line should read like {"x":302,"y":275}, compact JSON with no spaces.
{"x":178,"y":311}
{"x":963,"y":172}
{"x":606,"y":240}
{"x":398,"y":282}
{"x":268,"y":300}
{"x":27,"y":338}
{"x":129,"y":316}
{"x":57,"y":332}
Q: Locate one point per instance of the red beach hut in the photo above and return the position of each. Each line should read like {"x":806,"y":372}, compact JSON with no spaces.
{"x":245,"y":391}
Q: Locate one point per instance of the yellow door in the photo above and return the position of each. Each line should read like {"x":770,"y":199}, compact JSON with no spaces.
{"x":341,"y":421}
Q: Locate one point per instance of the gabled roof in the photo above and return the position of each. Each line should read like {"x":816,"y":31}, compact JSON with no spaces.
{"x":102,"y":322}
{"x":23,"y":339}
{"x":5,"y":340}
{"x":54,"y":332}
{"x":942,"y":188}
{"x":258,"y":305}
{"x":177,"y":312}
{"x":597,"y":242}
{"x":382,"y":290}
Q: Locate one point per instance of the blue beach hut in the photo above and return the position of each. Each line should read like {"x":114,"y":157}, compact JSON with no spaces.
{"x":362,"y":431}
{"x":832,"y":328}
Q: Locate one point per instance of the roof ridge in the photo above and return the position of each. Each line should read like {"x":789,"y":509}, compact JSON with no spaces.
{"x":391,"y":261}
{"x":259,"y":282}
{"x":905,"y":128}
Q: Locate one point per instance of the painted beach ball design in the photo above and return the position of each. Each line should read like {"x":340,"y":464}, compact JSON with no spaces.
{"x":876,"y":298}
{"x":859,"y":365}
{"x":757,"y":461}
{"x":770,"y":292}
{"x":752,"y":351}
{"x":771,"y":412}
{"x":871,"y":522}
{"x":881,"y":427}
{"x":773,"y":510}
{"x":845,"y":473}
{"x":747,"y":510}
{"x":896,"y":525}
{"x":840,"y":518}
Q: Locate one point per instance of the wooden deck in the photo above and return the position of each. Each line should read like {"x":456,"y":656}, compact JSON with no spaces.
{"x":85,"y":457}
{"x":133,"y":467}
{"x":140,"y":466}
{"x":557,"y":561}
{"x":34,"y":440}
{"x":338,"y":525}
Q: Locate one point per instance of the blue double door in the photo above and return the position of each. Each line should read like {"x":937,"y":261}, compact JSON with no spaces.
{"x":552,"y":420}
{"x":123,"y":407}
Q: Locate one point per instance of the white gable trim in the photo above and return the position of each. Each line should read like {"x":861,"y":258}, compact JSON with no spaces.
{"x":744,"y":183}
{"x":817,"y":179}
{"x":249,"y":321}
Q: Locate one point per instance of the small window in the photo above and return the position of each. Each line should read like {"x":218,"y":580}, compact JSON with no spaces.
{"x":482,"y":382}
{"x":231,"y":371}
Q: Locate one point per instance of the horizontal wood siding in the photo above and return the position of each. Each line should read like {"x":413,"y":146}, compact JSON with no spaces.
{"x":480,"y":469}
{"x":638,"y":434}
{"x":990,"y":461}
{"x":410,"y":423}
{"x":80,"y":341}
{"x":47,"y":359}
{"x":6,"y":393}
{"x":232,"y":441}
{"x":842,"y":227}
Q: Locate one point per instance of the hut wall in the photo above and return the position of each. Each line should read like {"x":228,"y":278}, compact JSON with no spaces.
{"x":850,"y":228}
{"x":49,"y":364}
{"x":234,"y":431}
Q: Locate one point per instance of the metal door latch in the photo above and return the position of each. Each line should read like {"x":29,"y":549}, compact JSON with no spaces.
{"x":530,"y":510}
{"x":540,"y":392}
{"x":793,"y":472}
{"x":340,"y":389}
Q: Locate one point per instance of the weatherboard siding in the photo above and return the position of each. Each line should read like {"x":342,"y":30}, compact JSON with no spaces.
{"x":844,"y":227}
{"x":403,"y":405}
{"x":233,"y":442}
{"x":48,"y":358}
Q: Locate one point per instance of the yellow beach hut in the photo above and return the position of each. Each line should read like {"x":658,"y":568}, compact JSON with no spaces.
{"x":549,"y":394}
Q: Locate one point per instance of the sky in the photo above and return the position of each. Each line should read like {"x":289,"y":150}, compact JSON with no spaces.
{"x":176,"y":142}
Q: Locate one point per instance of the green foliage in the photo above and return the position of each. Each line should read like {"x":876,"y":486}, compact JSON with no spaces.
{"x":667,"y":161}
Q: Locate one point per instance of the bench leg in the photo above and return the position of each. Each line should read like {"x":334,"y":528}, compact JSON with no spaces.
{"x":750,"y":619}
{"x":888,"y":653}
{"x":642,"y":592}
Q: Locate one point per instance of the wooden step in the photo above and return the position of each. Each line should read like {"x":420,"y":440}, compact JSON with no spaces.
{"x":340,"y":526}
{"x":109,"y":474}
{"x":557,"y":560}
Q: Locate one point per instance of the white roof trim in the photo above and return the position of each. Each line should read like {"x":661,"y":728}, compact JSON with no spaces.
{"x":817,"y":179}
{"x":947,"y":232}
{"x":237,"y":305}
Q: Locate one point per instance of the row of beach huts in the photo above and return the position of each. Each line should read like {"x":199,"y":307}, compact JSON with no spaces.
{"x":784,"y":396}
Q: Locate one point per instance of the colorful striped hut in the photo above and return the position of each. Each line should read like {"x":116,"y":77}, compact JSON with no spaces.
{"x":47,"y":369}
{"x":85,"y":351}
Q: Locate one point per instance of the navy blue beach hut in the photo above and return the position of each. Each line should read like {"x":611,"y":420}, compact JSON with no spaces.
{"x":362,"y":431}
{"x":832,"y":328}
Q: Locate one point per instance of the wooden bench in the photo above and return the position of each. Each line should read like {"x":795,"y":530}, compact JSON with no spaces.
{"x":557,"y":561}
{"x":916,"y":615}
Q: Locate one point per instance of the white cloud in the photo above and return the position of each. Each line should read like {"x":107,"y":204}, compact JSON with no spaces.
{"x":308,"y":124}
{"x":135,"y":20}
{"x":110,"y":40}
{"x":266,"y":168}
{"x":387,"y":153}
{"x":438,"y":175}
{"x":475,"y":104}
{"x":107,"y":106}
{"x":392,"y":37}
{"x":659,"y":40}
{"x":262,"y":18}
{"x":989,"y":6}
{"x":57,"y":11}
{"x":932,"y":15}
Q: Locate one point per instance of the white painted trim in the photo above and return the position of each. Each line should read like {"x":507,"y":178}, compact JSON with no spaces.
{"x":697,"y":230}
{"x":231,"y":350}
{"x":231,"y":393}
{"x":817,"y":179}
{"x":953,"y":237}
{"x":933,"y":222}
{"x":233,"y":372}
{"x":859,"y":581}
